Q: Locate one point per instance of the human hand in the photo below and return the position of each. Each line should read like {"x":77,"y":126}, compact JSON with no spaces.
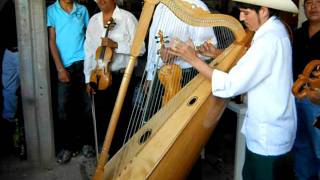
{"x":185,"y":50}
{"x":106,"y":42}
{"x":165,"y":55}
{"x":90,"y":90}
{"x":208,"y":49}
{"x":146,"y":85}
{"x":63,"y":75}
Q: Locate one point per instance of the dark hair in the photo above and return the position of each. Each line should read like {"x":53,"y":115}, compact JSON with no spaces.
{"x":272,"y":12}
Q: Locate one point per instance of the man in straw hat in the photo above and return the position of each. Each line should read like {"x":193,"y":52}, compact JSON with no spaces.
{"x":305,"y":49}
{"x":264,"y":73}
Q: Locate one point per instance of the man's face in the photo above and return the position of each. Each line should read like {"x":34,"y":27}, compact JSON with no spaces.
{"x":67,"y":1}
{"x":312,"y":10}
{"x":105,"y":4}
{"x":250,"y":18}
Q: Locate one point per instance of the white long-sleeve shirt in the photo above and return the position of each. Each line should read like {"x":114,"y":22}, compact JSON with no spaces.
{"x":265,"y":73}
{"x":172,"y":26}
{"x":122,"y":33}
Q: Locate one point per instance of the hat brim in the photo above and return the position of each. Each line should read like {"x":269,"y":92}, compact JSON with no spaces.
{"x":282,"y":5}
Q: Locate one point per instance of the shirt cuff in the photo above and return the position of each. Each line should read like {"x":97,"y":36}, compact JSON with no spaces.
{"x":87,"y":79}
{"x":218,"y":80}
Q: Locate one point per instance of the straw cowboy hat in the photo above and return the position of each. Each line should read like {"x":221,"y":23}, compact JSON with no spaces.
{"x":282,"y":5}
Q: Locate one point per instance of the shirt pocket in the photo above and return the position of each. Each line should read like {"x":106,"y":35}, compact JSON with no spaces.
{"x":119,"y":34}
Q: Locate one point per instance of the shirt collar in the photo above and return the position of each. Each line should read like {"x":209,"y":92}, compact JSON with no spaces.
{"x":75,"y":6}
{"x":116,"y":13}
{"x":264,"y":28}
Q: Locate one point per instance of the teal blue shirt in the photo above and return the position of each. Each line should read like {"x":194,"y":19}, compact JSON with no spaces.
{"x":70,"y":31}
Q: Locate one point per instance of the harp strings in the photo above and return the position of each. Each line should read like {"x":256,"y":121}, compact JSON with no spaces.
{"x":148,"y":94}
{"x":148,"y":99}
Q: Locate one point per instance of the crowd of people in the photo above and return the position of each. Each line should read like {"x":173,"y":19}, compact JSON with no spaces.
{"x":277,"y":125}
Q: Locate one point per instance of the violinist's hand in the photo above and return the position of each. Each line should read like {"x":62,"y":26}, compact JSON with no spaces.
{"x":185,"y":50}
{"x":208,"y":49}
{"x":106,"y":42}
{"x":165,"y":55}
{"x":90,"y":90}
{"x":63,"y":75}
{"x":146,"y":85}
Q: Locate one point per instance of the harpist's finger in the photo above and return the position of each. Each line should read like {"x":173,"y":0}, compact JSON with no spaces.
{"x":174,"y":52}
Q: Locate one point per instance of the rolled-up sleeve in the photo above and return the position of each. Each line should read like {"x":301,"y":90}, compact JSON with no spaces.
{"x":251,"y":69}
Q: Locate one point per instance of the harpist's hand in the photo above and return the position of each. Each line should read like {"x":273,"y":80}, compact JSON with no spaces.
{"x":185,"y":50}
{"x":146,"y":86}
{"x":208,"y":49}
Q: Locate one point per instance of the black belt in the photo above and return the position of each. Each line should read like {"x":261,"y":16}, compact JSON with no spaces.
{"x":74,"y":65}
{"x":13,"y":49}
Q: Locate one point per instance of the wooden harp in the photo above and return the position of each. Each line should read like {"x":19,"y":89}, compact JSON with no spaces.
{"x":169,"y":143}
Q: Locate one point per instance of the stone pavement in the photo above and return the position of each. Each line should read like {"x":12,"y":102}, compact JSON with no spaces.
{"x":217,"y":163}
{"x":79,"y":168}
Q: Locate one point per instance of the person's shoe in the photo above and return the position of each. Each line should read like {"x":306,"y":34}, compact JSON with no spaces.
{"x":64,"y":156}
{"x":75,"y":153}
{"x":88,"y":151}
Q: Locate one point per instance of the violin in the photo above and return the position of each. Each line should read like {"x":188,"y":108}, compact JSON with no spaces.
{"x":101,"y":77}
{"x":308,"y":83}
{"x":170,"y":76}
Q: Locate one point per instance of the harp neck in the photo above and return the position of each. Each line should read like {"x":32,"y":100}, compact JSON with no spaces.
{"x":188,"y":13}
{"x":196,"y":16}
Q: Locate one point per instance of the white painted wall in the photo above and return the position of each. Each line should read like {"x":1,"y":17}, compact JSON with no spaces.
{"x":301,"y":15}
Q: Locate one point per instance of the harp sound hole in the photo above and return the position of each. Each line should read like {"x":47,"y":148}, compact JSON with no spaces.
{"x":145,"y":136}
{"x":192,"y":101}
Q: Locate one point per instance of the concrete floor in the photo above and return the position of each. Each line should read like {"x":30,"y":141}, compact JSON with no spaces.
{"x":217,"y":162}
{"x":81,"y":168}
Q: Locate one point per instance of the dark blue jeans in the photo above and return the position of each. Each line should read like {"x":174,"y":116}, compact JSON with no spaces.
{"x":10,"y":82}
{"x":74,"y":110}
{"x":307,"y":144}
